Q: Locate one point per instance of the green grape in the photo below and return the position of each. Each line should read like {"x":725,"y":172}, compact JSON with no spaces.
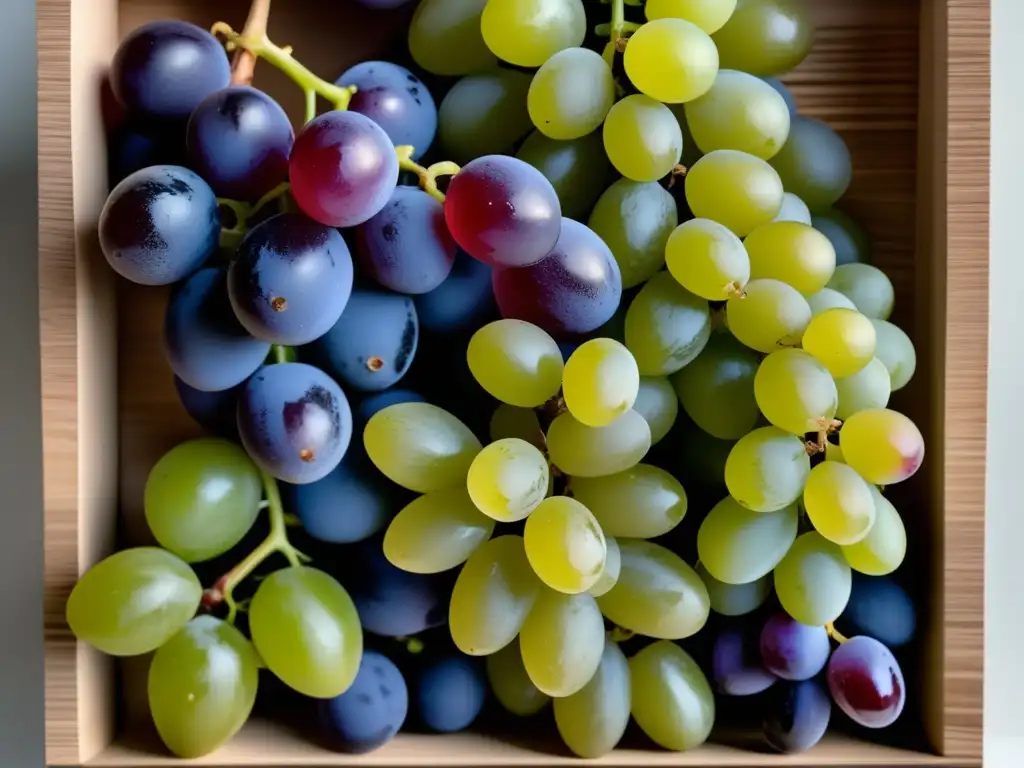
{"x":516,"y":362}
{"x":766,"y":470}
{"x":766,"y":37}
{"x":494,"y":591}
{"x":635,"y":220}
{"x":565,"y":545}
{"x":814,"y":163}
{"x":867,"y":388}
{"x":527,"y":33}
{"x":867,"y":287}
{"x":882,"y":551}
{"x":420,"y":446}
{"x":202,"y":686}
{"x":735,"y":189}
{"x":792,"y":252}
{"x":642,"y":138}
{"x":717,"y":389}
{"x":849,"y":239}
{"x":739,"y":112}
{"x":671,"y":699}
{"x":793,"y":209}
{"x":666,"y":326}
{"x":843,"y":340}
{"x":512,"y":421}
{"x":508,"y":479}
{"x":839,"y":503}
{"x":707,"y":259}
{"x":739,"y":546}
{"x":601,"y":382}
{"x":813,"y":581}
{"x":769,"y":315}
{"x":709,"y":15}
{"x":445,"y":37}
{"x":133,"y":601}
{"x":834,"y":453}
{"x":702,"y":459}
{"x":577,"y":169}
{"x":826,"y":299}
{"x":691,"y":152}
{"x":201,"y":498}
{"x":582,"y":451}
{"x":483,"y":114}
{"x":593,"y":720}
{"x":642,"y":502}
{"x":657,"y":594}
{"x":795,"y":392}
{"x":786,"y":94}
{"x":671,"y":60}
{"x":561,"y":642}
{"x":436,"y":532}
{"x":612,"y":568}
{"x":884,"y":446}
{"x":511,"y":686}
{"x":735,"y":599}
{"x":896,"y":351}
{"x":571,"y":94}
{"x":657,"y":403}
{"x":306,"y":629}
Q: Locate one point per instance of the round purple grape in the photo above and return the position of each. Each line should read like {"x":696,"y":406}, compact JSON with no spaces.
{"x":462,"y":302}
{"x":736,"y":666}
{"x":796,"y":716}
{"x":880,"y":608}
{"x":449,"y":693}
{"x":371,"y":711}
{"x":866,"y":681}
{"x":213,"y":411}
{"x":791,"y":650}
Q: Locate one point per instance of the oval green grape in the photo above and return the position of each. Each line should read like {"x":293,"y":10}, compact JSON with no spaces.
{"x":508,"y":479}
{"x":666,"y":326}
{"x":735,"y":189}
{"x":527,"y":33}
{"x":868,"y":388}
{"x":656,"y":401}
{"x":813,"y":581}
{"x":512,"y":421}
{"x":671,"y":699}
{"x":883,"y":445}
{"x":582,"y":451}
{"x":642,"y":502}
{"x":707,"y":259}
{"x":577,"y":169}
{"x":767,"y":469}
{"x":739,"y":112}
{"x":642,"y":138}
{"x":795,"y":392}
{"x":612,"y":568}
{"x":593,"y":720}
{"x":735,"y":599}
{"x":769,"y":315}
{"x":571,"y":94}
{"x":839,"y":503}
{"x":867,"y":287}
{"x":792,"y":252}
{"x":814,"y":163}
{"x":766,"y":37}
{"x":826,"y":299}
{"x":671,"y":60}
{"x":565,"y":545}
{"x":847,"y":236}
{"x":738,"y":546}
{"x":843,"y":340}
{"x":516,"y":362}
{"x":510,"y":683}
{"x":483,"y":114}
{"x":709,"y":15}
{"x":882,"y":551}
{"x":445,"y":37}
{"x":896,"y":351}
{"x":561,"y":642}
{"x":601,"y":381}
{"x":793,"y":209}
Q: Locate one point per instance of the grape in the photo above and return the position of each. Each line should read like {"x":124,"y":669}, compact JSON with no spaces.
{"x":882,"y":551}
{"x":765,"y":37}
{"x":612,"y":569}
{"x":159,"y":225}
{"x":495,"y":591}
{"x":601,"y":382}
{"x":445,"y":37}
{"x":795,"y":392}
{"x":709,"y":15}
{"x":571,"y":93}
{"x":371,"y":712}
{"x":239,"y":140}
{"x":162,"y":70}
{"x":833,"y":452}
{"x":671,"y":700}
{"x":769,"y":315}
{"x":866,"y":681}
{"x":767,"y":469}
{"x":786,"y":94}
{"x":793,"y":209}
{"x":733,"y":188}
{"x":593,"y":720}
{"x":867,"y":287}
{"x":707,"y":259}
{"x":527,"y":33}
{"x":290,"y":280}
{"x":843,"y":340}
{"x":635,"y":219}
{"x":206,"y":346}
{"x":565,"y":545}
{"x":577,"y":169}
{"x":562,"y":641}
{"x":213,"y":411}
{"x":849,"y":239}
{"x":896,"y":351}
{"x":868,"y":388}
{"x":461,"y":301}
{"x":396,"y":100}
{"x":484,"y":114}
{"x":839,"y":503}
{"x":739,"y":112}
{"x":133,"y":147}
{"x":736,"y":666}
{"x":792,"y":252}
{"x":133,"y":601}
{"x":656,"y":401}
{"x":516,"y":362}
{"x":814,"y":163}
{"x":884,"y":446}
{"x":436,"y":532}
{"x":343,"y":168}
{"x":734,"y":599}
{"x":449,"y":693}
{"x":791,"y":650}
{"x":510,"y":683}
{"x":671,"y":60}
{"x":738,"y":546}
{"x":510,"y":421}
{"x":508,"y":479}
{"x":826,"y":299}
{"x":797,"y":716}
{"x":657,"y":594}
{"x":666,"y":326}
{"x":642,"y":138}
{"x":642,"y":502}
{"x":880,"y":608}
{"x":813,"y":580}
{"x":573,"y":291}
{"x":582,"y":451}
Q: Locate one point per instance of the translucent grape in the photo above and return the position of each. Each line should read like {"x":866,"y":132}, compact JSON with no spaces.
{"x":797,"y":716}
{"x":813,"y":580}
{"x":739,"y":546}
{"x":735,"y":189}
{"x":436,"y":532}
{"x":527,"y":33}
{"x":511,"y":421}
{"x":516,"y":362}
{"x":767,"y":469}
{"x":793,"y":209}
{"x":833,"y":452}
{"x":739,"y":112}
{"x":656,"y":401}
{"x":445,"y":37}
{"x":642,"y":138}
{"x":508,"y":479}
{"x":562,"y":641}
{"x":843,"y":340}
{"x":582,"y":451}
{"x":882,"y":551}
{"x":847,"y":236}
{"x":839,"y":503}
{"x":896,"y":351}
{"x":735,"y":599}
{"x":483,"y":114}
{"x":786,"y":94}
{"x":565,"y":545}
{"x":736,"y":666}
{"x":593,"y":720}
{"x":707,"y":259}
{"x":867,"y":287}
{"x":671,"y":60}
{"x":814,"y":163}
{"x":642,"y":502}
{"x":510,"y":683}
{"x":770,"y":315}
{"x":827,"y":298}
{"x":884,"y":446}
{"x":792,"y":252}
{"x":601,"y":382}
{"x":612,"y":569}
{"x":666,"y":326}
{"x":672,"y":701}
{"x":795,"y":392}
{"x":709,"y":15}
{"x":571,"y":94}
{"x":577,"y":169}
{"x":866,"y":682}
{"x":766,"y":37}
{"x":866,"y":389}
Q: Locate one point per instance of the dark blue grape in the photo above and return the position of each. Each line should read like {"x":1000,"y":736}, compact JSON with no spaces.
{"x":159,"y":225}
{"x":796,"y":716}
{"x":736,"y":665}
{"x":407,"y":247}
{"x":462,"y":302}
{"x":294,"y":421}
{"x":371,"y":404}
{"x":162,"y":70}
{"x":449,"y":693}
{"x":213,"y":411}
{"x":371,"y":711}
{"x":880,"y":608}
{"x":291,"y":279}
{"x":131,"y":149}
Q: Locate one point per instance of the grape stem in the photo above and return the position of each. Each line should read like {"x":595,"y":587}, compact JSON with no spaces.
{"x":281,"y":353}
{"x":835,"y":634}
{"x":619,"y":635}
{"x":427,"y":176}
{"x":244,"y":65}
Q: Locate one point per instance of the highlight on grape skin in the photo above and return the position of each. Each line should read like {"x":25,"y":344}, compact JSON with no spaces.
{"x":883,"y":445}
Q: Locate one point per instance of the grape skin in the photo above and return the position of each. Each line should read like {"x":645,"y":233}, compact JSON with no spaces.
{"x":797,"y":716}
{"x":213,"y":411}
{"x":767,"y":469}
{"x":896,"y":351}
{"x":593,"y":720}
{"x":508,"y":479}
{"x":656,"y":401}
{"x":707,"y":259}
{"x":793,"y":209}
{"x":868,"y":388}
{"x":839,"y":503}
{"x":883,"y":445}
{"x":734,"y":188}
{"x":449,"y":693}
{"x":484,"y":114}
{"x":739,"y":112}
{"x":510,"y":683}
{"x":667,"y":327}
{"x":734,"y":599}
{"x":791,"y":650}
{"x":582,"y":451}
{"x":671,"y":700}
{"x":849,"y":239}
{"x":765,"y":37}
{"x":882,"y":551}
{"x":769,"y":315}
{"x":738,"y":546}
{"x":642,"y":138}
{"x":813,"y":580}
{"x":516,"y":362}
{"x":461,"y":301}
{"x":828,"y":298}
{"x":562,"y":641}
{"x":795,"y":392}
{"x":736,"y":665}
{"x":527,"y":33}
{"x":601,"y":382}
{"x":792,"y":252}
{"x":570,"y":94}
{"x":642,"y":502}
{"x":867,"y":287}
{"x":445,"y":37}
{"x":866,"y":682}
{"x":671,"y":60}
{"x":814,"y":163}
{"x":565,"y":545}
{"x":612,"y":569}
{"x":709,"y":15}
{"x":843,"y":340}
{"x":577,"y":169}
{"x":880,"y":608}
{"x":371,"y":712}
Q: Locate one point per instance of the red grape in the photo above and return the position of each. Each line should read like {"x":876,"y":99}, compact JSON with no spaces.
{"x":866,"y":681}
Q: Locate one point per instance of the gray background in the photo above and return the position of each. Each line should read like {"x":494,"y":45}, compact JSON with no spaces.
{"x":21,"y":669}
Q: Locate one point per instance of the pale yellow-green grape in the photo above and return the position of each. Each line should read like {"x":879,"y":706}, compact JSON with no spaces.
{"x":868,"y":388}
{"x":582,"y":451}
{"x":642,"y":138}
{"x":420,"y":446}
{"x":511,"y":686}
{"x":867,"y":287}
{"x":771,"y":315}
{"x":707,"y":259}
{"x":741,"y":112}
{"x":612,"y":568}
{"x":833,"y":452}
{"x":493,"y":593}
{"x":512,"y":421}
{"x":642,"y":502}
{"x":735,"y":599}
{"x":445,"y":37}
{"x":657,"y":403}
{"x":827,"y":298}
{"x":657,"y":593}
{"x":666,"y":326}
{"x":813,"y":581}
{"x":843,"y":340}
{"x":577,"y":169}
{"x":896,"y":351}
{"x":691,"y":152}
{"x":592,"y":721}
{"x":565,"y":545}
{"x":882,"y":551}
{"x":738,"y":546}
{"x":766,"y":37}
{"x":671,"y":60}
{"x":766,"y":470}
{"x":571,"y":94}
{"x":795,"y":392}
{"x":508,"y":479}
{"x":672,"y":701}
{"x":483,"y":114}
{"x":516,"y":362}
{"x":883,"y":445}
{"x":792,"y":252}
{"x":709,"y":15}
{"x":839,"y":503}
{"x":601,"y":382}
{"x":735,"y":189}
{"x":529,"y":32}
{"x":814,"y":163}
{"x":562,"y":641}
{"x":436,"y":532}
{"x":793,"y":209}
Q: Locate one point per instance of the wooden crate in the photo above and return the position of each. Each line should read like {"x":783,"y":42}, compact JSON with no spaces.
{"x":906,"y":82}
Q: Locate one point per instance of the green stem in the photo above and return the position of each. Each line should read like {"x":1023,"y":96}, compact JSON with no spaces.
{"x":282,"y":354}
{"x":835,"y":634}
{"x":427,"y":176}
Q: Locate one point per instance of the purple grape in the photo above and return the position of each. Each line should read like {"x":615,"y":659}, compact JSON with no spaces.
{"x":866,"y":681}
{"x":449,"y":692}
{"x":291,"y":279}
{"x":407,"y":247}
{"x":736,"y":666}
{"x":132,"y":148}
{"x":213,"y":411}
{"x":371,"y":712}
{"x":462,"y":302}
{"x":797,"y":716}
{"x":572,"y":292}
{"x":294,"y":421}
{"x":879,"y":608}
{"x":791,"y":650}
